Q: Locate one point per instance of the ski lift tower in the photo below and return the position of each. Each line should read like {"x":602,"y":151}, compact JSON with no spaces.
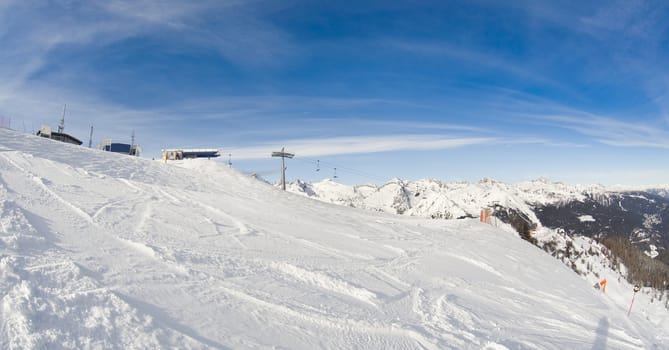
{"x":283,"y":156}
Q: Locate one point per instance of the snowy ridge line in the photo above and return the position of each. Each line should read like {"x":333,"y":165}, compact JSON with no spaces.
{"x":431,"y":197}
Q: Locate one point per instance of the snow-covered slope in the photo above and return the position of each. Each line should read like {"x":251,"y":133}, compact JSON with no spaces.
{"x":100,"y":250}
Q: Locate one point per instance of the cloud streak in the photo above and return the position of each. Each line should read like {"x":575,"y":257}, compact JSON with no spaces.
{"x":489,"y":60}
{"x":356,"y":145}
{"x":31,"y":31}
{"x":614,"y":132}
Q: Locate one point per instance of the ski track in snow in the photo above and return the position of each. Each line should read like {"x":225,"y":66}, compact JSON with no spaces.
{"x":477,"y":263}
{"x":326,"y":282}
{"x":358,"y":326}
{"x":72,"y":309}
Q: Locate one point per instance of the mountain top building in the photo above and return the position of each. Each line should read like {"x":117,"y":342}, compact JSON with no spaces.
{"x":45,"y":131}
{"x":177,"y":154}
{"x":117,"y":147}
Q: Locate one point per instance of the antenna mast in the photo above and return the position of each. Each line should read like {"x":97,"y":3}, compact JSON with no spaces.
{"x":61,"y":126}
{"x":132,"y":141}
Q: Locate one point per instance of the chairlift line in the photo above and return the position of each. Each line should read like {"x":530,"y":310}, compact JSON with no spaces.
{"x":328,"y":165}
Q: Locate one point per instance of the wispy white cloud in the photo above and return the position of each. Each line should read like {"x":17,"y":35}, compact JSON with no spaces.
{"x":170,"y":13}
{"x":489,"y":60}
{"x":248,"y":119}
{"x":530,"y":113}
{"x":636,"y":19}
{"x":614,"y":132}
{"x":623,"y":18}
{"x":409,"y":125}
{"x":625,"y":40}
{"x":357,"y":145}
{"x":524,"y":140}
{"x":235,"y":29}
{"x":30,"y":31}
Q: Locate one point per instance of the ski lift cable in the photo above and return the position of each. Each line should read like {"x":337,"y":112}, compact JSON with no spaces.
{"x":356,"y":171}
{"x":321,"y":164}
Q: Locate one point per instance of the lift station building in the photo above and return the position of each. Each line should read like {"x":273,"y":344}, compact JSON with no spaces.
{"x":117,"y":147}
{"x":177,"y":154}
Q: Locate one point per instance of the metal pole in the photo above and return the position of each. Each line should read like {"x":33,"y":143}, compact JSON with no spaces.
{"x":283,"y":172}
{"x":283,"y":156}
{"x":632,"y":303}
{"x":90,"y":138}
{"x":636,"y":289}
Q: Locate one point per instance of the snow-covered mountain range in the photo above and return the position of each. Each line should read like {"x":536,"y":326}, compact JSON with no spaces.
{"x":592,"y":211}
{"x":101,"y":250}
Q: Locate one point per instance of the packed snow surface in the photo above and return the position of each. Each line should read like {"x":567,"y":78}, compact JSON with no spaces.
{"x":101,"y":250}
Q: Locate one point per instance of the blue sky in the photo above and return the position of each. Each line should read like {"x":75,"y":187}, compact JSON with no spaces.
{"x":454,"y":90}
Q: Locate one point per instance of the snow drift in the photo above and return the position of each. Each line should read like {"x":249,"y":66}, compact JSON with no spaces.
{"x":101,"y":250}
